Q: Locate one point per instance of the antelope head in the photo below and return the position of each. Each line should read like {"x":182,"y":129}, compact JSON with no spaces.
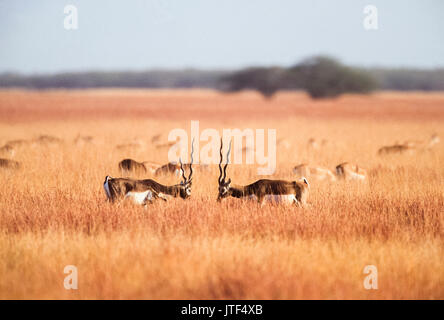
{"x":185,"y":184}
{"x":224,"y":186}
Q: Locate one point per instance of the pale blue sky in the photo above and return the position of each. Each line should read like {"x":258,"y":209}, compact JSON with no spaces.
{"x":139,"y":35}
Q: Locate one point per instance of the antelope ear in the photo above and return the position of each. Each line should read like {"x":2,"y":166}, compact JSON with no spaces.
{"x":229,"y":181}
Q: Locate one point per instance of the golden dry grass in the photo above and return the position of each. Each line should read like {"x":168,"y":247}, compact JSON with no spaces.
{"x":53,"y":211}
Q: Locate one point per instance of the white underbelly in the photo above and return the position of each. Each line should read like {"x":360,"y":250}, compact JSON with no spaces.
{"x":276,"y":198}
{"x":140,"y":197}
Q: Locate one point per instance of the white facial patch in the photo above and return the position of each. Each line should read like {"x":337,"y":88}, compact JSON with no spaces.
{"x":140,"y":197}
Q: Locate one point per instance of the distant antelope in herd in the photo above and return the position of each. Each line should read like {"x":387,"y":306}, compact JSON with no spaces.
{"x":9,"y":164}
{"x":349,"y":171}
{"x":135,"y":145}
{"x":277,"y":191}
{"x":410,"y":146}
{"x":146,"y":191}
{"x":396,"y":148}
{"x":309,"y":171}
{"x":128,"y":166}
{"x":47,"y":140}
{"x":172,"y":168}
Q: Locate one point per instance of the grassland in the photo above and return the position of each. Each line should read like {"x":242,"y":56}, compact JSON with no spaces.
{"x":53,"y":211}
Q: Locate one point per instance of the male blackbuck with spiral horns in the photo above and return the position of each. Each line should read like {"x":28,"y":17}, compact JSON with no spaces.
{"x":275,"y":191}
{"x":146,"y":191}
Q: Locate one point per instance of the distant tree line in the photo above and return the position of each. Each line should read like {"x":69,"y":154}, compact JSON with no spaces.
{"x":188,"y":78}
{"x":325,"y":77}
{"x":321,"y":77}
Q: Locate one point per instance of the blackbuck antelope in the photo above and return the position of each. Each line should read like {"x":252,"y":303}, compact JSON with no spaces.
{"x":47,"y":140}
{"x":170,"y":168}
{"x":128,"y":166}
{"x":135,"y":145}
{"x":396,"y":148}
{"x":315,"y":172}
{"x":275,"y":191}
{"x":349,"y":171}
{"x":146,"y":191}
{"x":173,"y":168}
{"x":9,"y":164}
{"x":410,"y":146}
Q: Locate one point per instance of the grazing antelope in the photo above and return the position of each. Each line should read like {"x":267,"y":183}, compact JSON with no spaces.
{"x":9,"y":164}
{"x":410,"y":146}
{"x":127,"y":166}
{"x":170,"y":168}
{"x":45,"y":139}
{"x":175,"y":169}
{"x":135,"y":145}
{"x":396,"y":148}
{"x":319,"y":173}
{"x":349,"y":171}
{"x":277,"y":191}
{"x":146,"y":191}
